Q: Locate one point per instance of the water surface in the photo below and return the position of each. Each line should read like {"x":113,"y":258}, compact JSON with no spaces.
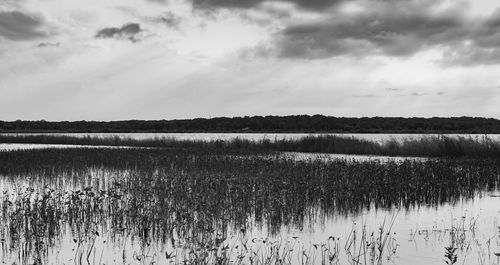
{"x":140,"y":206}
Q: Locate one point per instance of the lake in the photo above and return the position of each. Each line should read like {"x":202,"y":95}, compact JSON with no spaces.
{"x":145,"y":206}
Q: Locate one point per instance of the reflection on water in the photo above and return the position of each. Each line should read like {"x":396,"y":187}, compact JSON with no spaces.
{"x":117,"y":206}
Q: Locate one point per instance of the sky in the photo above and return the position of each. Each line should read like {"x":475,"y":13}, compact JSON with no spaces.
{"x":177,"y":59}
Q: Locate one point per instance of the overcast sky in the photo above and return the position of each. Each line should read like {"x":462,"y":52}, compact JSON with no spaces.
{"x":167,"y":59}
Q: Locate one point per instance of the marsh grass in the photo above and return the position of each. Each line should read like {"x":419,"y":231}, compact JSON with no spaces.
{"x":370,"y":247}
{"x":199,"y":203}
{"x":428,"y":146}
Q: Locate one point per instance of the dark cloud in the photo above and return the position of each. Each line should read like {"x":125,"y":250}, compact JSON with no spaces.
{"x":315,"y":4}
{"x":305,"y":4}
{"x":480,"y":46}
{"x":226,"y":3}
{"x":127,"y":31}
{"x":169,"y":19}
{"x":395,"y":28}
{"x":488,"y":32}
{"x":389,"y":28}
{"x":18,"y":26}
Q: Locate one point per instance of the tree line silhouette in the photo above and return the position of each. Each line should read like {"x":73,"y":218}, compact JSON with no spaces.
{"x":276,"y":124}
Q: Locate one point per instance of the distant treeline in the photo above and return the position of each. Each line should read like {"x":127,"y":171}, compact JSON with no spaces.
{"x":299,"y":123}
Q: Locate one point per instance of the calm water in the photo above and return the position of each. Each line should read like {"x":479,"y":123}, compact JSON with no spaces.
{"x":141,"y":216}
{"x":418,"y":235}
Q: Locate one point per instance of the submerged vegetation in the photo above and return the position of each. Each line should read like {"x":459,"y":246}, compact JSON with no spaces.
{"x":429,"y":146}
{"x":198,"y":206}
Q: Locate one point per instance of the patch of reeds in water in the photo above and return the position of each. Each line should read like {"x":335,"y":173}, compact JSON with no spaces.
{"x":426,"y":146}
{"x":194,"y":200}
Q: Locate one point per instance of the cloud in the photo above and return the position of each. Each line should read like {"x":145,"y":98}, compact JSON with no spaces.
{"x":243,"y":4}
{"x":469,"y":55}
{"x":127,"y":31}
{"x":480,"y":46}
{"x":226,"y":3}
{"x":169,"y":19}
{"x":388,"y":28}
{"x":18,"y":26}
{"x":48,"y":44}
{"x":396,"y":29}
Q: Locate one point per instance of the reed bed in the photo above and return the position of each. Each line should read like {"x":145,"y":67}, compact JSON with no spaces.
{"x":195,"y":204}
{"x":428,"y":146}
